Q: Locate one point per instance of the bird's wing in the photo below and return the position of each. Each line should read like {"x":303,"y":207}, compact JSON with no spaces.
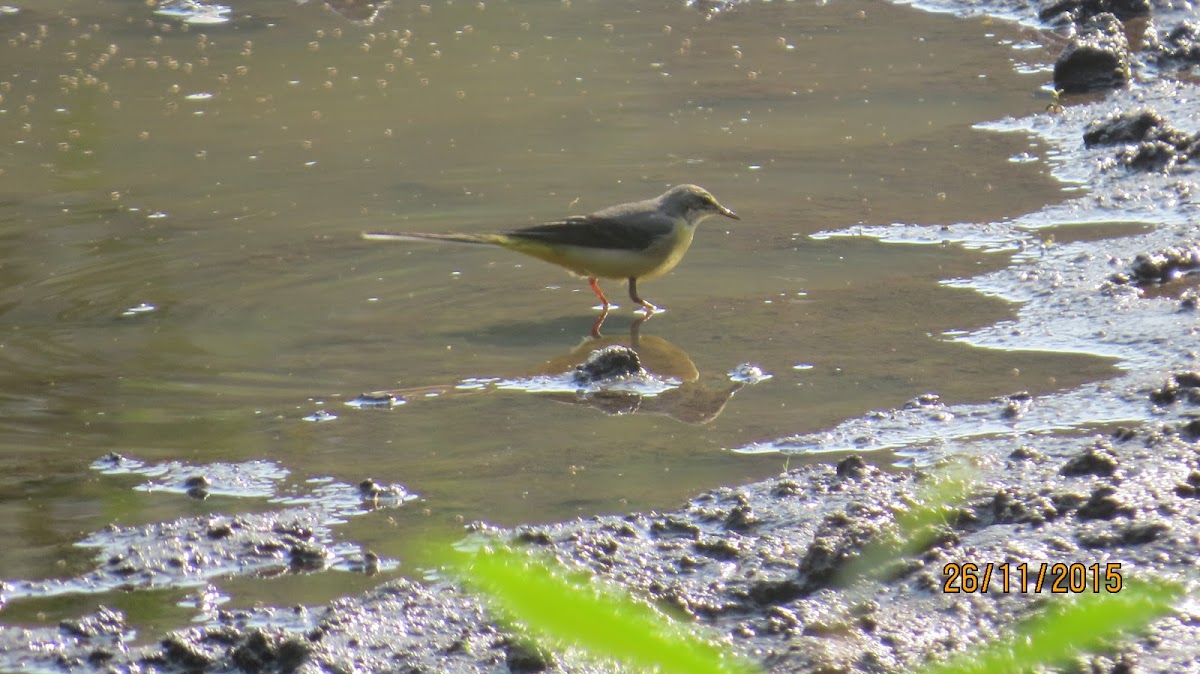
{"x":596,"y":231}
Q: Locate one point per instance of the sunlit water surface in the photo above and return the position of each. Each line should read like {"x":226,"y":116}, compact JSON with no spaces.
{"x":182,"y":276}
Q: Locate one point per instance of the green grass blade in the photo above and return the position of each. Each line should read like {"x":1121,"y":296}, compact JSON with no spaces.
{"x":1068,"y":627}
{"x":582,"y":613}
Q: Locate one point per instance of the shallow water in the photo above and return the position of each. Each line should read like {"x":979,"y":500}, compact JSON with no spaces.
{"x":183,"y":278}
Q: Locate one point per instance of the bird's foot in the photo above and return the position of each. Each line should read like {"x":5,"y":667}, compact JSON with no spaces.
{"x":650,"y":309}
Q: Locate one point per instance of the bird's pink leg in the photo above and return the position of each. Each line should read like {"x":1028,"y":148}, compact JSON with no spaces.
{"x":596,"y":289}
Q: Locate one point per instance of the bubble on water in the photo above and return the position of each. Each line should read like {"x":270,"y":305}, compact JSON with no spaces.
{"x":139,"y":310}
{"x":748,"y":374}
{"x":194,"y":13}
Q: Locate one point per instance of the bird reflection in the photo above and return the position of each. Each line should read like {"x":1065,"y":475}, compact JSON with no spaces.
{"x":641,"y":374}
{"x":633,"y":329}
{"x":690,"y":401}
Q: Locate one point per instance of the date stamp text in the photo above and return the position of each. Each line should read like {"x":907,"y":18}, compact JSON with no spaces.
{"x":1056,"y":578}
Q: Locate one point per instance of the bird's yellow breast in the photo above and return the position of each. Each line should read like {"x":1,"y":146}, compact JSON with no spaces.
{"x":655,"y":260}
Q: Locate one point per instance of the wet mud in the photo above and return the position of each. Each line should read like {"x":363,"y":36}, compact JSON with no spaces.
{"x":783,"y":569}
{"x":185,"y":553}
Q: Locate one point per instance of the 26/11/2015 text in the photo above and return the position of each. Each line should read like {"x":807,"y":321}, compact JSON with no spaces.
{"x":1057,"y":578}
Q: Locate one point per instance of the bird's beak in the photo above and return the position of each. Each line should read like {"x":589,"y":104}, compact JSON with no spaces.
{"x":727,"y":213}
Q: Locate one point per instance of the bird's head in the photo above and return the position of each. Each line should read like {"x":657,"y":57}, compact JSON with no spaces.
{"x":693,"y":204}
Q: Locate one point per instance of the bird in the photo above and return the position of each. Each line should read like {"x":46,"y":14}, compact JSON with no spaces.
{"x":633,"y":241}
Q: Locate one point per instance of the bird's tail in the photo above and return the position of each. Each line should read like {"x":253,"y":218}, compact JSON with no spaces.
{"x":422,"y":236}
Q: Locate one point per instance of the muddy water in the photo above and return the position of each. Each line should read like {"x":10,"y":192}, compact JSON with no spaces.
{"x":183,"y":279}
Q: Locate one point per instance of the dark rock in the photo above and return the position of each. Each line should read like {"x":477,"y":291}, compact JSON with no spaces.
{"x":741,"y":518}
{"x":1187,"y":378}
{"x":1153,"y":144}
{"x":306,"y":557}
{"x":1124,"y":127}
{"x":839,"y":539}
{"x":293,"y":530}
{"x":100,"y":656}
{"x":1025,"y":453}
{"x":1016,"y":405}
{"x":256,"y":653}
{"x":1124,"y":536}
{"x":1096,"y":59}
{"x":367,"y":563}
{"x":1065,"y":501}
{"x":1140,"y":534}
{"x":523,"y":656}
{"x":1104,"y":504}
{"x":1191,"y":430}
{"x":368,"y":489}
{"x":1010,"y":506}
{"x":1165,"y":265}
{"x":717,"y":548}
{"x":771,"y":592}
{"x":608,"y":363}
{"x":1179,"y":385}
{"x":197,"y":481}
{"x":1180,"y":46}
{"x":670,"y":527}
{"x":784,"y":488}
{"x":372,"y":492}
{"x":1191,"y":487}
{"x":291,"y":654}
{"x":534,"y":535}
{"x":782,"y":621}
{"x":1153,"y":155}
{"x":852,"y":467}
{"x":1096,"y":460}
{"x":1077,"y":11}
{"x":924,"y":400}
{"x":184,"y":653}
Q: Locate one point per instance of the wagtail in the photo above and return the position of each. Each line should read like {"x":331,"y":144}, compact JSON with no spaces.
{"x":643,"y":239}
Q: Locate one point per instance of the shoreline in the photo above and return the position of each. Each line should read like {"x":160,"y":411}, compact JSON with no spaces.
{"x":1106,"y":473}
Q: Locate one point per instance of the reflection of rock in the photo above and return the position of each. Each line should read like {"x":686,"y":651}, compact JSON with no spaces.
{"x":650,"y":376}
{"x":654,"y":359}
{"x":1096,"y":59}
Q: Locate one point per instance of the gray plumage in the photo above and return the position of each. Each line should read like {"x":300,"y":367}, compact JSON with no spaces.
{"x":642,"y":239}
